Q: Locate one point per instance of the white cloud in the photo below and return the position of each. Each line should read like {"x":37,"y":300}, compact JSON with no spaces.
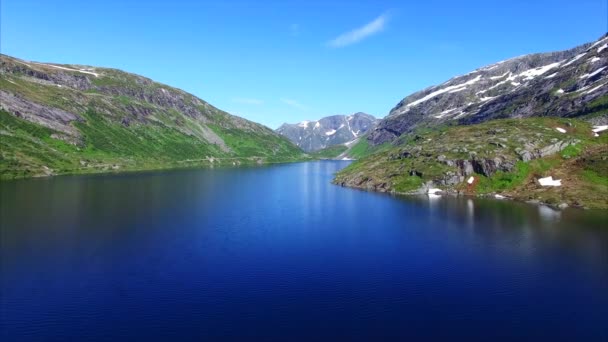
{"x":360,"y":33}
{"x":293,"y":103}
{"x":248,"y":101}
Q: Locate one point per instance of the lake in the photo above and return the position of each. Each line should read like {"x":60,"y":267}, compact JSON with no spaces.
{"x":279,"y":253}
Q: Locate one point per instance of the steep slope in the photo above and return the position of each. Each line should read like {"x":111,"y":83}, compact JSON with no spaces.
{"x":572,"y":83}
{"x":58,"y":119}
{"x":329,"y":131}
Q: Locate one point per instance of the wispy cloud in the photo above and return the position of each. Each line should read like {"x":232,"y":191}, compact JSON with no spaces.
{"x":293,"y":103}
{"x":247,"y":101}
{"x":360,"y":33}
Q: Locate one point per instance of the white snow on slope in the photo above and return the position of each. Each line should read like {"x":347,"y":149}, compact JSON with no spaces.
{"x":549,"y":181}
{"x":450,"y":89}
{"x":442,"y":114}
{"x":530,"y":74}
{"x":330,"y":132}
{"x":597,"y":43}
{"x":560,"y":91}
{"x":602,"y":48}
{"x":317,"y":125}
{"x":594,"y":89}
{"x":551,"y":76}
{"x":69,"y":69}
{"x":597,"y":129}
{"x":304,"y":124}
{"x":574,"y":59}
{"x":594,"y":59}
{"x":499,"y":77}
{"x":593,"y":73}
{"x":559,"y":129}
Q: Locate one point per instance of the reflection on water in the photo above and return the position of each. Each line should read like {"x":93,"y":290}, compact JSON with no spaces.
{"x":258,"y":252}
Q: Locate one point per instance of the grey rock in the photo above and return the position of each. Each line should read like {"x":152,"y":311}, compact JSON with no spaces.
{"x":328,"y":131}
{"x":487,"y":93}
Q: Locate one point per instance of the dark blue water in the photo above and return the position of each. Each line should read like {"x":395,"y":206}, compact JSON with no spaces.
{"x":278,"y":253}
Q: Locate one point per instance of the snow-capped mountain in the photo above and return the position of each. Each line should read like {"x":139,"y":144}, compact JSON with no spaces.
{"x":332,"y":130}
{"x":571,"y":83}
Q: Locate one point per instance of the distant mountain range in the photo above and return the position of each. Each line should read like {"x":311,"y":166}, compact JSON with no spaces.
{"x":57,"y":119}
{"x":329,"y":131}
{"x":571,"y":83}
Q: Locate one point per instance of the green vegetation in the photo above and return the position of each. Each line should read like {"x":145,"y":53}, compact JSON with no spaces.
{"x":502,"y":181}
{"x":78,"y":123}
{"x":434,"y":155}
{"x":362,"y":148}
{"x":329,"y":152}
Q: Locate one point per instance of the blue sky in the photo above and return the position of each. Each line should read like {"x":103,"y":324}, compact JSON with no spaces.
{"x":286,"y":61}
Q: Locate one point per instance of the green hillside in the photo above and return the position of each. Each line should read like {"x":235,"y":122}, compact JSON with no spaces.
{"x":504,"y":157}
{"x":60,"y":119}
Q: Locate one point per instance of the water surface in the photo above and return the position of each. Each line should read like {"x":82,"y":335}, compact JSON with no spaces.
{"x":278,"y":253}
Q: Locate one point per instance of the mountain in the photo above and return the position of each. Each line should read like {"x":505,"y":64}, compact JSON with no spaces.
{"x":572,"y":83}
{"x":498,"y":131}
{"x":57,"y":119}
{"x":329,"y":131}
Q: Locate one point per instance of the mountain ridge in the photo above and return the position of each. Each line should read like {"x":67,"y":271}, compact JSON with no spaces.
{"x":98,"y":119}
{"x":315,"y":135}
{"x":558,"y":83}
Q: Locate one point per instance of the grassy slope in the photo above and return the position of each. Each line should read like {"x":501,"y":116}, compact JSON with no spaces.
{"x":329,"y":152}
{"x":583,"y":167}
{"x":29,"y":150}
{"x":156,"y":136}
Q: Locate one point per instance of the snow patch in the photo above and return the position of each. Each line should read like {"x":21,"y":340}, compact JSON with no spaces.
{"x":499,"y":77}
{"x":442,"y":114}
{"x":574,"y":59}
{"x":433,"y":191}
{"x":450,"y":89}
{"x":549,"y":181}
{"x":597,"y":129}
{"x":330,"y":132}
{"x":84,"y":71}
{"x":350,"y":143}
{"x":559,"y":129}
{"x":594,"y":59}
{"x":498,"y":196}
{"x":317,"y":125}
{"x":602,"y":48}
{"x":530,"y":74}
{"x":560,"y":91}
{"x":597,"y":43}
{"x":551,"y":76}
{"x":593,"y":73}
{"x":304,"y":124}
{"x":594,"y":89}
{"x":471,"y":180}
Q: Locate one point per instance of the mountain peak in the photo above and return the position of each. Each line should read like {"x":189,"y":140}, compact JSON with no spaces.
{"x":558,"y":83}
{"x":328,"y":131}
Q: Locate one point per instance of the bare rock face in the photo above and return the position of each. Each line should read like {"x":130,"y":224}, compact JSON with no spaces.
{"x":54,"y":118}
{"x":572,"y":83}
{"x":332,"y":130}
